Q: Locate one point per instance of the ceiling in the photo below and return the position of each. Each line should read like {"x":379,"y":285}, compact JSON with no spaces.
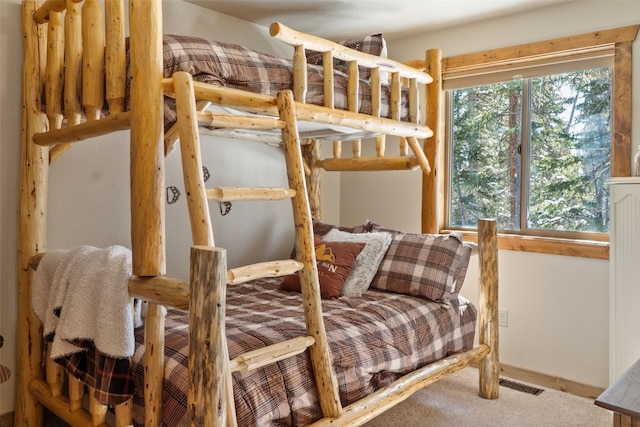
{"x":341,"y":19}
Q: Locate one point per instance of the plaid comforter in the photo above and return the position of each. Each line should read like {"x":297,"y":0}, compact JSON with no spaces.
{"x":238,"y":67}
{"x":373,"y":339}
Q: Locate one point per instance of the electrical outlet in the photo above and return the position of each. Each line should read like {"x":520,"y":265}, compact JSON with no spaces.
{"x":503,"y":318}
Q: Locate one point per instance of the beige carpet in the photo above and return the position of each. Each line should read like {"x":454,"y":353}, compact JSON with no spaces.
{"x":454,"y":402}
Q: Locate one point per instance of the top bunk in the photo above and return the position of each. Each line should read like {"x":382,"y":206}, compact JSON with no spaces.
{"x":81,"y":81}
{"x":342,"y":88}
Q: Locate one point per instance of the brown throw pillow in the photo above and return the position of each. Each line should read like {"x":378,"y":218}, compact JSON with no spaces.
{"x":334,"y":261}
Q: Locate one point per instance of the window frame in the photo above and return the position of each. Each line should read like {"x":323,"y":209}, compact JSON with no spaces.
{"x":619,"y":41}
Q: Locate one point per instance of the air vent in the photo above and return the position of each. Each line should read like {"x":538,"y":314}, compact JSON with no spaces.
{"x":520,"y":387}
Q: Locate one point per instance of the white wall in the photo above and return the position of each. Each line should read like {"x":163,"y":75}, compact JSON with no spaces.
{"x":558,"y":306}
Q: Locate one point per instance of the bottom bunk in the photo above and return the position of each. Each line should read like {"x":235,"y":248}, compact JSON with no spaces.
{"x":374,"y":340}
{"x":384,"y":345}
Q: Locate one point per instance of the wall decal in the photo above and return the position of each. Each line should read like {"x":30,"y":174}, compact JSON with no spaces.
{"x":173,"y":194}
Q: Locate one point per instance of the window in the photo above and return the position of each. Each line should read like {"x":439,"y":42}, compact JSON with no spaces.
{"x":532,"y":137}
{"x":534,"y":153}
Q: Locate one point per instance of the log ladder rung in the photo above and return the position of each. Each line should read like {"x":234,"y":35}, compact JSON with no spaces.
{"x":270,"y":354}
{"x":236,"y":276}
{"x":225,"y":194}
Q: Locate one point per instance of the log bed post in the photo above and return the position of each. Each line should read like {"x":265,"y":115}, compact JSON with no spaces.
{"x":432,"y":198}
{"x":147,"y":183}
{"x":147,"y":149}
{"x":207,"y":399}
{"x":488,"y":301}
{"x":32,"y":204}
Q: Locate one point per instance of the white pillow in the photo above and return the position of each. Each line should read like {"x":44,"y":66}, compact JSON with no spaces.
{"x":368,"y":260}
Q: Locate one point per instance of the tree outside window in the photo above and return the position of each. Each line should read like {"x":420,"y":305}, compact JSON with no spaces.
{"x":532,"y":152}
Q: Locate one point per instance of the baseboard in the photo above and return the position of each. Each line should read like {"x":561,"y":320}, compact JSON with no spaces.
{"x":6,"y":420}
{"x":556,"y":383}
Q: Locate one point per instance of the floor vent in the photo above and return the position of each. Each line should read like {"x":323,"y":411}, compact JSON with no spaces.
{"x":520,"y":387}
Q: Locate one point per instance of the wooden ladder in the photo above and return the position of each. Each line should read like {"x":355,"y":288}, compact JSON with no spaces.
{"x":305,"y":264}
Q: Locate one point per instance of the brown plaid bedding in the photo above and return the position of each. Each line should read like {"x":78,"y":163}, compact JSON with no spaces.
{"x":373,"y":339}
{"x":238,"y":67}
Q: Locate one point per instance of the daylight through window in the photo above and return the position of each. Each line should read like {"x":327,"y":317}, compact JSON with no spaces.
{"x":532,"y":151}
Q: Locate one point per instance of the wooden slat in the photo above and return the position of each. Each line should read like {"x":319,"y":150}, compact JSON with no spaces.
{"x":93,"y":41}
{"x":224,"y":194}
{"x":116,"y":61}
{"x":81,"y":132}
{"x":60,"y":406}
{"x":259,"y":270}
{"x":327,"y":73}
{"x":55,"y":70}
{"x":264,"y":356}
{"x":124,"y":414}
{"x":76,"y":393}
{"x":160,"y":290}
{"x":210,"y":118}
{"x":299,"y":74}
{"x":73,"y":63}
{"x":369,"y":163}
{"x":97,"y":410}
{"x":54,"y":373}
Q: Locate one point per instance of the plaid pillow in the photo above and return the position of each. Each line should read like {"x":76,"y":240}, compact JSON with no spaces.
{"x":423,"y":265}
{"x":373,"y":44}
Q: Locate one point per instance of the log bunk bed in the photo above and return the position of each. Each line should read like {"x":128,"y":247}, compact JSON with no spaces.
{"x":66,"y":81}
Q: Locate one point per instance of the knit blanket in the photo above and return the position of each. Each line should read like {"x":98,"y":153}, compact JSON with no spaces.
{"x":82,"y":294}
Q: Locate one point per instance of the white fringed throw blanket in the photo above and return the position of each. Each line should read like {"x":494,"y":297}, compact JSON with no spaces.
{"x":82,"y":294}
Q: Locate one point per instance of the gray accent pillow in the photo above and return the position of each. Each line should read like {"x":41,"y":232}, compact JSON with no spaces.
{"x":368,"y":260}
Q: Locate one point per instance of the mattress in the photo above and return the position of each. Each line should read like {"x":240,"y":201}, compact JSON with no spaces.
{"x":373,"y":339}
{"x":238,"y":67}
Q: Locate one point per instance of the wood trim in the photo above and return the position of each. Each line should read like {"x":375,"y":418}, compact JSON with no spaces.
{"x":621,"y":111}
{"x":550,"y":381}
{"x":621,"y":40}
{"x":542,"y":48}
